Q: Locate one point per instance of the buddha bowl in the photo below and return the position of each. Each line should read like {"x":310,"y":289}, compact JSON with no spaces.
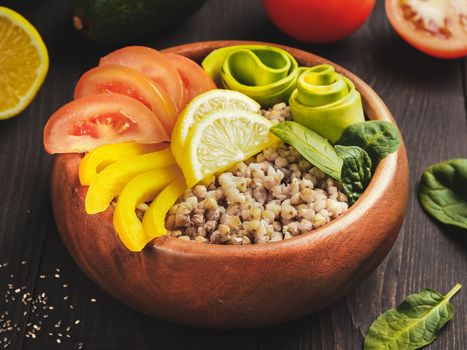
{"x":226,"y":287}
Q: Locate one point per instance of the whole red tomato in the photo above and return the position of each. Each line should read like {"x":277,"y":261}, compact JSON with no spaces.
{"x":318,"y":21}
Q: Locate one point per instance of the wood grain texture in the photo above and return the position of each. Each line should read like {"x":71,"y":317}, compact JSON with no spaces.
{"x":424,"y":94}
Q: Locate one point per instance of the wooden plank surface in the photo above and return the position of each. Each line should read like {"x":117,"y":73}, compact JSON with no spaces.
{"x":427,"y":98}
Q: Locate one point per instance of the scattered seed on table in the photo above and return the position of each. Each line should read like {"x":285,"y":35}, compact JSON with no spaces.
{"x":37,"y":306}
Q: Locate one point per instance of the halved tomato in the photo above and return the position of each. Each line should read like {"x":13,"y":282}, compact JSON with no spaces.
{"x":438,"y":28}
{"x":152,"y":64}
{"x":195,"y":80}
{"x":129,"y":82}
{"x":95,"y":120}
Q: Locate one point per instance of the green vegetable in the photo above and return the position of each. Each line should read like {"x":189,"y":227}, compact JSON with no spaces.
{"x":377,"y":138}
{"x":326,"y":101}
{"x":316,"y":149}
{"x":356,"y":171}
{"x":122,"y":21}
{"x":443,"y":192}
{"x":413,"y":324}
{"x":267,"y":74}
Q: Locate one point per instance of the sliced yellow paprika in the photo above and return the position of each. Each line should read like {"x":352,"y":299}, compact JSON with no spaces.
{"x":110,"y":182}
{"x":326,"y":101}
{"x":99,"y":158}
{"x":142,"y":188}
{"x":154,"y":218}
{"x":267,"y":74}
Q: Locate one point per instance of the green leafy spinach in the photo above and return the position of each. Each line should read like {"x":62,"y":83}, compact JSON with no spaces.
{"x":356,"y":170}
{"x":313,"y":147}
{"x":414,"y":323}
{"x":443,"y":192}
{"x":378,"y":138}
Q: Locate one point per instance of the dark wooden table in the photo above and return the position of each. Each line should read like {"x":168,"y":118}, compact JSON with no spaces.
{"x":427,"y":97}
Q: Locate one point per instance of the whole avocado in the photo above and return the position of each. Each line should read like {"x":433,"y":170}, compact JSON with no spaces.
{"x":120,"y":21}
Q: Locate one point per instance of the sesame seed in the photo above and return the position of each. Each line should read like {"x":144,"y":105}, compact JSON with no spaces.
{"x":38,"y":306}
{"x":93,"y":300}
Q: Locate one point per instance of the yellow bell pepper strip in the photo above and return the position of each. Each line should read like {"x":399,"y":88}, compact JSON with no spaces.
{"x":154,"y":218}
{"x":326,"y":101}
{"x":267,"y":74}
{"x":99,"y":158}
{"x":110,"y":182}
{"x":143,"y":188}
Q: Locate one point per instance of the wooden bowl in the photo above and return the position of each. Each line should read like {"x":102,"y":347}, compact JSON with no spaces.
{"x":218,"y":286}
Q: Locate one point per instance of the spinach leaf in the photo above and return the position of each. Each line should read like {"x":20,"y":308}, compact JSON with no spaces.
{"x":443,"y":192}
{"x":356,"y":170}
{"x":315,"y":148}
{"x":378,"y":138}
{"x":414,"y":323}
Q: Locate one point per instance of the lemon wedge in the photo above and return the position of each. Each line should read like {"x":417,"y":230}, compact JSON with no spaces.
{"x":203,"y":105}
{"x":221,"y":140}
{"x":23,"y":63}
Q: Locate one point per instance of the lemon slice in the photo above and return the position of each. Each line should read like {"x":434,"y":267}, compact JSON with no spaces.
{"x":23,"y":62}
{"x":203,"y":105}
{"x":221,"y":140}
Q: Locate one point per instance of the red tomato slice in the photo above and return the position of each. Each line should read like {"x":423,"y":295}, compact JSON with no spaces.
{"x":438,"y":28}
{"x":152,"y":64}
{"x":195,"y":80}
{"x":95,"y":120}
{"x":129,"y":82}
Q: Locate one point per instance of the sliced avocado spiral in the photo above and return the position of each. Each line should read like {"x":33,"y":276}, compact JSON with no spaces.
{"x":265,"y":73}
{"x":325,"y":101}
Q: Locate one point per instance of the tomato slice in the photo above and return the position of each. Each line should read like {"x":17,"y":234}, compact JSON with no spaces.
{"x":129,"y":82}
{"x":154,"y":65}
{"x":95,"y":120}
{"x":438,"y":28}
{"x":195,"y":79}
